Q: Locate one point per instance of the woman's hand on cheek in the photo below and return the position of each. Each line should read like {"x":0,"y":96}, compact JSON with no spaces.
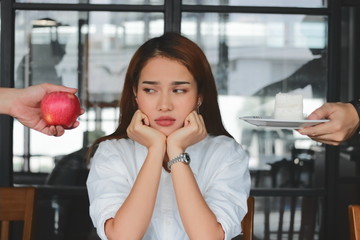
{"x":140,"y":131}
{"x":194,"y":131}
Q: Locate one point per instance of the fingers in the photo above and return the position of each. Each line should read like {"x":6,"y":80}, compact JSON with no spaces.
{"x":82,"y":111}
{"x":322,"y":128}
{"x":196,"y":120}
{"x":55,"y":131}
{"x":48,"y":87}
{"x":193,"y":131}
{"x":145,"y":120}
{"x":59,"y":131}
{"x":328,"y":133}
{"x":75,"y":125}
{"x":328,"y":111}
{"x":325,"y":111}
{"x":327,"y":140}
{"x":321,"y":113}
{"x":139,"y":118}
{"x":136,"y":125}
{"x":140,"y":131}
{"x":202,"y":122}
{"x":316,"y":115}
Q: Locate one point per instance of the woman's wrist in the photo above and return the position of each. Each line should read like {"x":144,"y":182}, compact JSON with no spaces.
{"x":174,"y":152}
{"x":158,"y":148}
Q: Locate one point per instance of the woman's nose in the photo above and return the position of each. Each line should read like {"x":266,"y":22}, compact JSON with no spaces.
{"x":165,"y":103}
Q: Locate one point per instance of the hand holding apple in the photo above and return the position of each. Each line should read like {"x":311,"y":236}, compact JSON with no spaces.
{"x":24,"y":105}
{"x":60,"y":108}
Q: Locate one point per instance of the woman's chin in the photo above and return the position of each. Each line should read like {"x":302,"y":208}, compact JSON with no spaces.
{"x":166,"y":131}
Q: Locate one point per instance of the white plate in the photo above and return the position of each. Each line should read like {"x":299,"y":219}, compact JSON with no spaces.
{"x":277,"y":123}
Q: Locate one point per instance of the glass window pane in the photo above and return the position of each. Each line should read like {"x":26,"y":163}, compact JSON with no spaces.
{"x":88,"y":51}
{"x":254,"y":57}
{"x":140,"y":2}
{"x":265,"y":3}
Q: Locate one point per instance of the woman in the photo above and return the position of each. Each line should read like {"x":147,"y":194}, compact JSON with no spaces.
{"x":141,"y":184}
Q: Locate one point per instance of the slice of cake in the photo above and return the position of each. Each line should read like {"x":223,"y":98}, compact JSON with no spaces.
{"x":288,"y":106}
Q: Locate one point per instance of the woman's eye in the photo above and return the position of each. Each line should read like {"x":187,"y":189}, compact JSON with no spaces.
{"x":179,"y":90}
{"x":149,"y":90}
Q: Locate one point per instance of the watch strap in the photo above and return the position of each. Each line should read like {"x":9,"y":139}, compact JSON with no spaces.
{"x":183,"y":157}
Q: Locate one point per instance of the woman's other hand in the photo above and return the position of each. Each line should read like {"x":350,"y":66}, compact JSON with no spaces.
{"x":140,"y":131}
{"x":194,"y":131}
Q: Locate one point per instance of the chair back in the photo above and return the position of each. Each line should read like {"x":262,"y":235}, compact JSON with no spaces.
{"x":354,"y":222}
{"x":247,"y":224}
{"x":17,"y":204}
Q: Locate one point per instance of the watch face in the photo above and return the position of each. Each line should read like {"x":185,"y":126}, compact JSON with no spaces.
{"x":187,"y":157}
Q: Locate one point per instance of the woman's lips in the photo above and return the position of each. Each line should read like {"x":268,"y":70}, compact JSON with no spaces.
{"x":165,"y":121}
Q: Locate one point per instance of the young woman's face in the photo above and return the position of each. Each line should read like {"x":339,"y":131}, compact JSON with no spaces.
{"x":166,"y":94}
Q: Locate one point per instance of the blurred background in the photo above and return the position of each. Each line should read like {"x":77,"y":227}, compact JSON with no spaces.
{"x":256,"y":48}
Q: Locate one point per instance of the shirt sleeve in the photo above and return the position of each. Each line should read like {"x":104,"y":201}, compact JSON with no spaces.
{"x":229,"y":188}
{"x":107,"y":186}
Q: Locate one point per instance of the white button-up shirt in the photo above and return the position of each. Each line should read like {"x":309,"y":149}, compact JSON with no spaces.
{"x":220,"y":167}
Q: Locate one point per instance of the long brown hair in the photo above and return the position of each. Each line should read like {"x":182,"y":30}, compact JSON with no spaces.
{"x":183,"y":50}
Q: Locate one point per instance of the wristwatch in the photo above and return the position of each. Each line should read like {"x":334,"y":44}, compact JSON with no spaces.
{"x":356,"y":104}
{"x":183,"y":157}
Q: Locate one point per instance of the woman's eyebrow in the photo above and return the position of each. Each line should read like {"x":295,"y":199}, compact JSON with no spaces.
{"x":150,"y":82}
{"x":180,"y":82}
{"x":175,"y":83}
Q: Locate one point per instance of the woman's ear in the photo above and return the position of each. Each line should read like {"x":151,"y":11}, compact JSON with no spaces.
{"x":135,"y":96}
{"x":135,"y":100}
{"x":199,"y":102}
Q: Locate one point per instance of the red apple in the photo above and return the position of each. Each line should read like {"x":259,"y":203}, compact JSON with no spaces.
{"x":60,"y":108}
